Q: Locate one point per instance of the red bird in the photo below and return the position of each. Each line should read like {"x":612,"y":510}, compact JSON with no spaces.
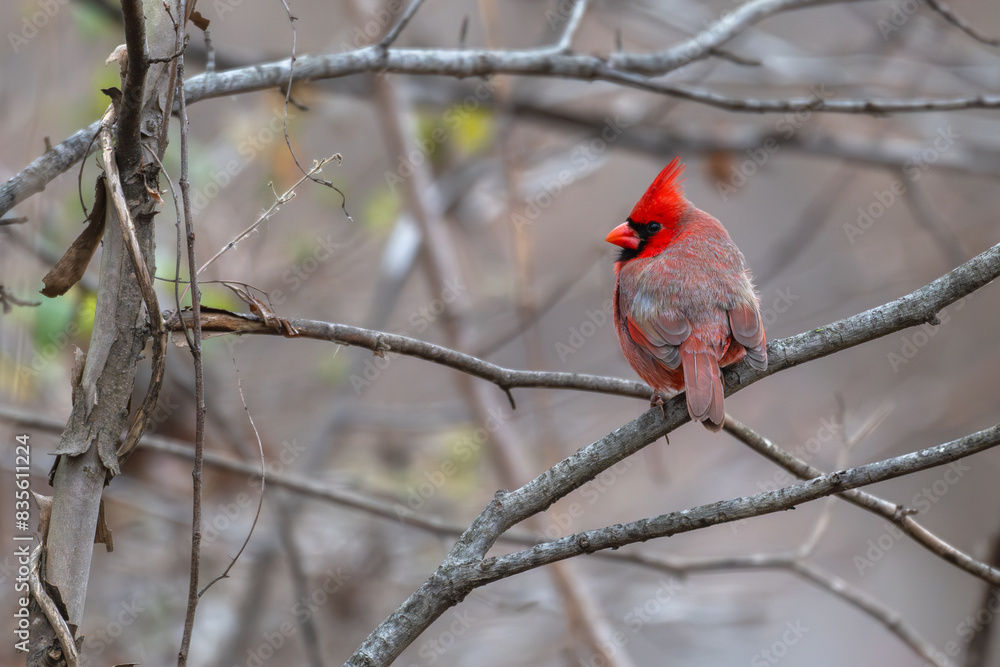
{"x":684,"y":302}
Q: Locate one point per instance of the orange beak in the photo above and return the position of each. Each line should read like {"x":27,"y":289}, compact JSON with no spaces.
{"x":623,"y":236}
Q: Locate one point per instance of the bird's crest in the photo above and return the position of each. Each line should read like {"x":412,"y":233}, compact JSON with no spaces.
{"x":664,"y":201}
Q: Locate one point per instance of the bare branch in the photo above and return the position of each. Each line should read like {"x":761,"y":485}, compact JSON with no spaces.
{"x":539,"y":62}
{"x":382,"y":343}
{"x":465,"y":63}
{"x":467,"y":567}
{"x":260,"y":500}
{"x":665,"y":525}
{"x":51,"y":610}
{"x":394,"y":33}
{"x":916,"y":308}
{"x":953,"y":18}
{"x":881,"y":612}
{"x":575,"y":19}
{"x":54,"y":161}
{"x":714,"y":36}
{"x":133,"y":87}
{"x":897,"y":514}
{"x":195,"y":340}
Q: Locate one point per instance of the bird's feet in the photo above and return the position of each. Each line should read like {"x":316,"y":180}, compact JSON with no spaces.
{"x":656,"y":399}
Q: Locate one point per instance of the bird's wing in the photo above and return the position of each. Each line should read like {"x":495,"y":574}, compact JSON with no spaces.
{"x":660,"y":333}
{"x":748,"y":331}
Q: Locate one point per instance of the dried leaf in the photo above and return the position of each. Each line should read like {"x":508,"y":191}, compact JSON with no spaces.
{"x":115,"y":95}
{"x":120,"y":56}
{"x":263,"y":311}
{"x":154,"y":194}
{"x":72,"y":265}
{"x":103,"y":534}
{"x":200,"y":21}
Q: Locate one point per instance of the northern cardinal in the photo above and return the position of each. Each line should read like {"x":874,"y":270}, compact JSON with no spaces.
{"x":684,"y":302}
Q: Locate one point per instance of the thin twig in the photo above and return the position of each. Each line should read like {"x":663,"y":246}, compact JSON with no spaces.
{"x":263,"y":475}
{"x":279,"y":200}
{"x":199,"y":369}
{"x":311,"y":175}
{"x":51,"y":609}
{"x":953,"y":18}
{"x":397,"y":29}
{"x":575,"y":18}
{"x":881,"y":612}
{"x":178,"y":223}
{"x":897,"y":514}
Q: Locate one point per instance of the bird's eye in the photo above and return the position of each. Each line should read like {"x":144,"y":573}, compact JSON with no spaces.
{"x":654,"y":227}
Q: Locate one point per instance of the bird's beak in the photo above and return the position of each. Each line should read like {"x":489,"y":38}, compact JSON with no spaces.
{"x":623,"y":236}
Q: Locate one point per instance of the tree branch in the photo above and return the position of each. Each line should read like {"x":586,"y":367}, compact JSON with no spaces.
{"x":462,"y":63}
{"x":715,"y":35}
{"x":897,"y":514}
{"x":466,"y":567}
{"x":128,"y":149}
{"x":538,"y":62}
{"x":918,"y":307}
{"x":382,"y":343}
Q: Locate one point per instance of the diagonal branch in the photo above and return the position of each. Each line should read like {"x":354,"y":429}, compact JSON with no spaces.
{"x":715,"y":35}
{"x":464,"y":568}
{"x":674,"y":523}
{"x":897,"y":514}
{"x":956,"y":20}
{"x":396,"y":31}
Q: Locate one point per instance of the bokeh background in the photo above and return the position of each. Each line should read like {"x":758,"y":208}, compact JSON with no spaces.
{"x":834,"y":213}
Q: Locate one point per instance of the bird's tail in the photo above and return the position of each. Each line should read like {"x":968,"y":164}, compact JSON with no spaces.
{"x":703,"y":383}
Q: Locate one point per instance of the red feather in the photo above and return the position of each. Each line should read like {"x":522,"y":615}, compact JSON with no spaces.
{"x":685,"y":306}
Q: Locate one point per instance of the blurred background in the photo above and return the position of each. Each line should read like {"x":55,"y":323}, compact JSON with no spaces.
{"x":519,"y":179}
